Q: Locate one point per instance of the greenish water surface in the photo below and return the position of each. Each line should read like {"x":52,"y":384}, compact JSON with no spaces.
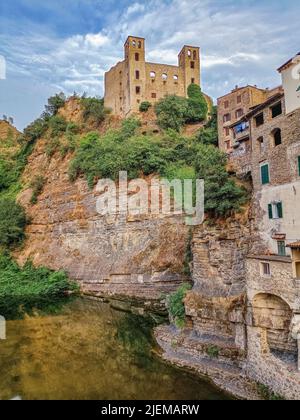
{"x":91,"y":351}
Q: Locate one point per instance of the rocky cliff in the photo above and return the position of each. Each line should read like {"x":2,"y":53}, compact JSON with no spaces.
{"x":139,"y":257}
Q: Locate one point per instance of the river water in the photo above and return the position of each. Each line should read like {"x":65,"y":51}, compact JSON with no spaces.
{"x":90,"y":351}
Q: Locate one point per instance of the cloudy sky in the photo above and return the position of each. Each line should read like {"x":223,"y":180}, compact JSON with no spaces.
{"x":67,"y":45}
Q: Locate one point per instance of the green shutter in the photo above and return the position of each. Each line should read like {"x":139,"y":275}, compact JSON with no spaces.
{"x":270,"y":208}
{"x":281,"y":248}
{"x":265,"y":176}
{"x":280,"y":210}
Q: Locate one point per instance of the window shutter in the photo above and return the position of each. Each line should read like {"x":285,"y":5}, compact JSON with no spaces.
{"x":280,"y":210}
{"x":265,"y":177}
{"x":270,"y":211}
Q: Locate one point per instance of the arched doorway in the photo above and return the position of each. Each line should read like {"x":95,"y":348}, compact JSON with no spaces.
{"x":274,"y":314}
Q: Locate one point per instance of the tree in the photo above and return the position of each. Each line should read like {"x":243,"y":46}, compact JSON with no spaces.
{"x":145,"y":106}
{"x":197,"y":105}
{"x":12,"y":222}
{"x":222,"y":195}
{"x":93,"y":108}
{"x":55,"y":103}
{"x":171,"y":112}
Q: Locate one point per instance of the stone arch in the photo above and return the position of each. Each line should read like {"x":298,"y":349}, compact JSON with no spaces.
{"x":273,"y":314}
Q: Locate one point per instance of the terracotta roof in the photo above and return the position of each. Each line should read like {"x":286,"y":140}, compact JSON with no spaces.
{"x":268,"y":102}
{"x":287,"y":63}
{"x":294,"y":245}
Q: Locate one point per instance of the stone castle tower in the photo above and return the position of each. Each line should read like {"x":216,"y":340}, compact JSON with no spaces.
{"x":134,"y":80}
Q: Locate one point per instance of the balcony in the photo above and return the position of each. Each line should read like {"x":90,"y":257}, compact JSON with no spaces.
{"x":241,"y":131}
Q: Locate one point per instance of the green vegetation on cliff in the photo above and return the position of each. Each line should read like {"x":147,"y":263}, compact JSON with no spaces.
{"x":175,"y":111}
{"x":175,"y":304}
{"x":23,"y":290}
{"x":169,"y":155}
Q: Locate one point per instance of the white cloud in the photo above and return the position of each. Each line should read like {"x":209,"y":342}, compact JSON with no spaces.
{"x":239,"y":44}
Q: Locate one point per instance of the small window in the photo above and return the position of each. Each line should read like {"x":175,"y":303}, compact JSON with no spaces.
{"x":194,"y":55}
{"x":193,"y":81}
{"x":153,"y":95}
{"x":192,"y":64}
{"x":137,"y":90}
{"x":189,"y":53}
{"x":275,"y":210}
{"x":276,"y":110}
{"x":227,"y":131}
{"x":239,"y":113}
{"x":281,"y":248}
{"x":277,"y":137}
{"x":137,"y":75}
{"x":164,"y":76}
{"x":226,"y":104}
{"x":265,"y":269}
{"x":140,"y":44}
{"x":227,"y":118}
{"x":137,"y":57}
{"x":239,"y":99}
{"x":259,"y":120}
{"x":175,"y":77}
{"x":261,"y":144}
{"x":152,"y":74}
{"x":265,"y":174}
{"x":134,"y":43}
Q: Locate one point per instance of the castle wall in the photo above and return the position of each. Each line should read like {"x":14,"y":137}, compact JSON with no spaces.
{"x":134,"y":80}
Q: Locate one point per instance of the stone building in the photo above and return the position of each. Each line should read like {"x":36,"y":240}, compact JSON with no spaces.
{"x":267,"y":148}
{"x":232,"y":107}
{"x":133,"y":80}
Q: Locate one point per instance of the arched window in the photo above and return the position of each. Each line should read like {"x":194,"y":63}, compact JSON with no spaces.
{"x":137,"y":57}
{"x":277,"y":137}
{"x":189,"y":53}
{"x":164,"y":76}
{"x":152,"y":74}
{"x":195,"y":55}
{"x":134,"y":43}
{"x":140,"y":44}
{"x":175,"y":77}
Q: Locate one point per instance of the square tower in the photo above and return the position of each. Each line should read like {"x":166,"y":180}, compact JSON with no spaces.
{"x":136,"y":72}
{"x":189,"y":62}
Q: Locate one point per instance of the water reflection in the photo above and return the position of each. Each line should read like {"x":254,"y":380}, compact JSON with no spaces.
{"x":90,"y":352}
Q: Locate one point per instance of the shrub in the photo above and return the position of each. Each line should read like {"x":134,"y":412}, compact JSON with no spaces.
{"x":267,"y":394}
{"x":171,"y":112}
{"x":72,"y":128}
{"x":54,"y":104}
{"x":52,"y":146}
{"x":93,"y":108}
{"x":175,"y":304}
{"x":37,"y":185}
{"x":145,"y":106}
{"x":213,"y":352}
{"x":58,"y":125}
{"x":23,"y":290}
{"x":197,"y":105}
{"x":34,"y":131}
{"x":12,"y":223}
{"x":222,"y":195}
